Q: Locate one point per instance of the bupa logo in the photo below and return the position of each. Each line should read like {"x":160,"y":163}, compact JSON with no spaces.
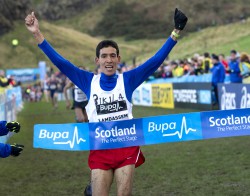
{"x":245,"y":99}
{"x":170,"y":129}
{"x":61,"y":138}
{"x":227,"y":99}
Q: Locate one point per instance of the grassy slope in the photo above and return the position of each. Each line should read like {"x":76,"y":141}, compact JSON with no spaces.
{"x":214,"y":40}
{"x":209,"y":167}
{"x":79,"y":48}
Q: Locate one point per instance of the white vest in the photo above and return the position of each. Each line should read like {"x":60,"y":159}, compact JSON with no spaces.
{"x":108,"y":105}
{"x":79,"y":96}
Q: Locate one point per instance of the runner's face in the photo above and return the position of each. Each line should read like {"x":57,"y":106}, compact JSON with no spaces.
{"x":108,"y":60}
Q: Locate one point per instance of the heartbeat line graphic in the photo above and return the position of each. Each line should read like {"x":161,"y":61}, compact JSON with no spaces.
{"x":75,"y":139}
{"x":183,"y":128}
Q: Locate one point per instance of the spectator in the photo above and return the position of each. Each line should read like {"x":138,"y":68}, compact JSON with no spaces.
{"x":159,"y":72}
{"x":207,"y":63}
{"x":244,"y":65}
{"x":234,"y":68}
{"x":177,"y":71}
{"x":167,"y":71}
{"x":218,"y":75}
{"x":185,"y":67}
{"x":197,"y":67}
{"x":11,"y":81}
{"x":224,"y":62}
{"x":191,"y":69}
{"x":4,"y":82}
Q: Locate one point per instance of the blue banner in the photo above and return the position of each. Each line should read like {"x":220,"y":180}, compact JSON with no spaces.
{"x":234,"y":96}
{"x":24,"y":75}
{"x":143,"y":131}
{"x":184,"y":79}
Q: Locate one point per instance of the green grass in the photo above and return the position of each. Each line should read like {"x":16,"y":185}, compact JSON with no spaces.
{"x":209,"y":167}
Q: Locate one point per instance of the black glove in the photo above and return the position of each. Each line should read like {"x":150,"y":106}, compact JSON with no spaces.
{"x":13,"y":126}
{"x":180,"y":19}
{"x":16,"y":149}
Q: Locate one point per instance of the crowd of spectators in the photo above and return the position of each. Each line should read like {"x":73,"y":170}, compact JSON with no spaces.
{"x":6,"y":82}
{"x":236,"y":66}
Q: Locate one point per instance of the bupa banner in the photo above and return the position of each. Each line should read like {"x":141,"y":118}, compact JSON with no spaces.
{"x":143,"y":131}
{"x":233,"y":96}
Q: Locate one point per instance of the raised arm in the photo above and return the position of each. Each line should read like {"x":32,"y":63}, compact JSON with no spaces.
{"x":32,"y":25}
{"x":138,"y":75}
{"x":79,"y":77}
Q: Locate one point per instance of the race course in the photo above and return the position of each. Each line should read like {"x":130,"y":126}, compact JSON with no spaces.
{"x":207,"y":167}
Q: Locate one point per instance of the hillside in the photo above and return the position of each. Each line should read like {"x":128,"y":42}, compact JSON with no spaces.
{"x":150,"y":19}
{"x":79,"y":48}
{"x":128,"y":18}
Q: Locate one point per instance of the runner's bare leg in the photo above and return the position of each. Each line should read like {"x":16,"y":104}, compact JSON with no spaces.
{"x":124,"y":180}
{"x":101,"y":181}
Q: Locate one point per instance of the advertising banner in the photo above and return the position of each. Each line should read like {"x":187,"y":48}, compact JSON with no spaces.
{"x":192,"y":95}
{"x":146,"y":95}
{"x":143,"y":131}
{"x":143,"y":95}
{"x":24,"y":75}
{"x":136,"y":97}
{"x":162,"y":95}
{"x":233,"y":96}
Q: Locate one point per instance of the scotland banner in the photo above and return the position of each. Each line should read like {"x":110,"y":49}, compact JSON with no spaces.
{"x":143,"y":131}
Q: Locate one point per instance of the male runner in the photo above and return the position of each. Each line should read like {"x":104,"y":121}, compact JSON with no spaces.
{"x":80,"y":101}
{"x":104,"y":90}
{"x":52,"y":83}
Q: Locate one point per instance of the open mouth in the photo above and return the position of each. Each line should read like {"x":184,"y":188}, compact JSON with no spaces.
{"x":109,"y":67}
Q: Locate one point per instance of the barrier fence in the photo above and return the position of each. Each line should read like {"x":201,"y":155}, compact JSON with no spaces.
{"x":234,"y":96}
{"x":10,"y":103}
{"x":182,"y":95}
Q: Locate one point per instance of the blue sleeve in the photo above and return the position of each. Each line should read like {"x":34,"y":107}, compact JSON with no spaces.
{"x":3,"y":129}
{"x":135,"y":77}
{"x":80,"y":78}
{"x":5,"y":150}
